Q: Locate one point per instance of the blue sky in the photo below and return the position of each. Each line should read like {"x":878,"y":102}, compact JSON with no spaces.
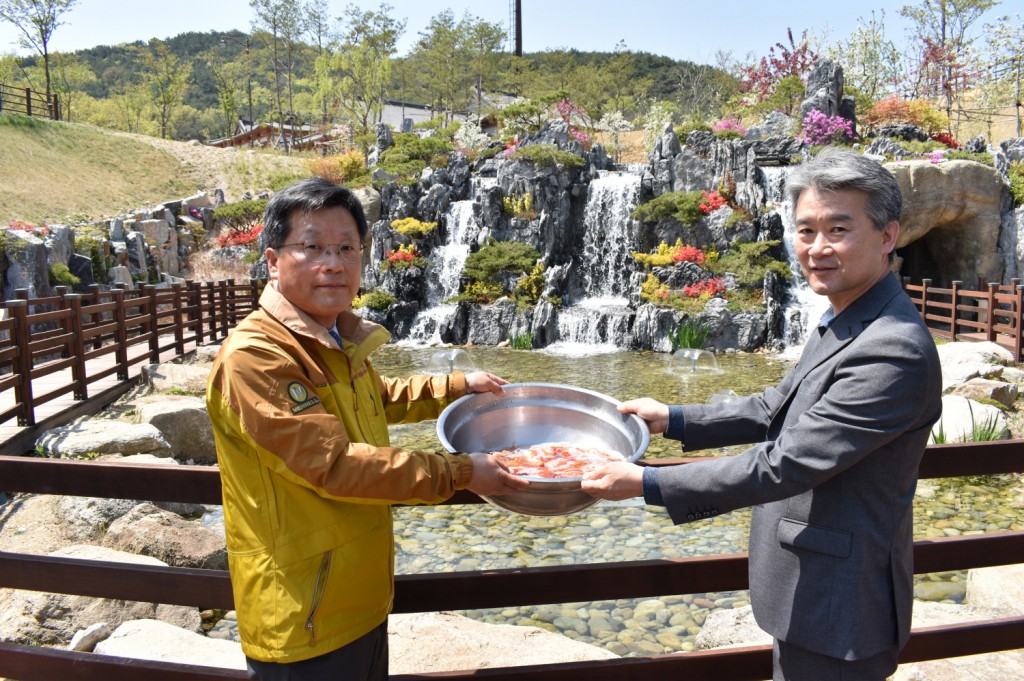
{"x":681,"y":29}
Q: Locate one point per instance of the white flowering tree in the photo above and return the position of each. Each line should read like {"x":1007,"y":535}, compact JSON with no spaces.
{"x":614,"y":123}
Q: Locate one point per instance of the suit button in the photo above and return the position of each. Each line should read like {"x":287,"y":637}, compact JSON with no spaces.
{"x":689,"y":516}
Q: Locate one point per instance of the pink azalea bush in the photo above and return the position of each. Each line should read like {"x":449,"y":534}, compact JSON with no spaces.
{"x":822,"y":129}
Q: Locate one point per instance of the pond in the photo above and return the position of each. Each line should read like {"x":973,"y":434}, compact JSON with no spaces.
{"x":476,"y":537}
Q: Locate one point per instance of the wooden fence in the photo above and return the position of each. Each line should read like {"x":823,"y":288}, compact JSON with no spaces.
{"x":469,"y":589}
{"x":24,"y":101}
{"x":991,"y":314}
{"x":93,"y":334}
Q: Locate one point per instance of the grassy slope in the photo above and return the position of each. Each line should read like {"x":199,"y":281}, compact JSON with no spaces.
{"x":50,"y":172}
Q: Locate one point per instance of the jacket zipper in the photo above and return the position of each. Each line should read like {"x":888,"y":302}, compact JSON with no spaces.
{"x":319,"y":587}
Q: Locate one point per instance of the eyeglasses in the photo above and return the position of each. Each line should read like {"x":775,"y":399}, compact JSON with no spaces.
{"x":318,"y":253}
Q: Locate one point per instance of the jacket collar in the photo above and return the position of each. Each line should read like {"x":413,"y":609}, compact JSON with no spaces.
{"x":849,"y":323}
{"x":361,"y":336}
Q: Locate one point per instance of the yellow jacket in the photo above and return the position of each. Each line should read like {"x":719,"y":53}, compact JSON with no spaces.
{"x":309,"y":476}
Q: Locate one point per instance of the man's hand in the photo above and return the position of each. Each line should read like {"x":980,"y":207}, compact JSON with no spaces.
{"x":491,"y":478}
{"x":484,"y":382}
{"x":615,"y":481}
{"x":652,"y":411}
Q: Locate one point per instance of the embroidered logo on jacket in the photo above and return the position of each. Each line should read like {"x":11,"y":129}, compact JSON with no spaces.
{"x":300,"y":395}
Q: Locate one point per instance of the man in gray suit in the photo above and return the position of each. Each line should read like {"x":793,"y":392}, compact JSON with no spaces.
{"x":832,"y":475}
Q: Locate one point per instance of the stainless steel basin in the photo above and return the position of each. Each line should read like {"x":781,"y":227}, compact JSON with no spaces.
{"x":532,"y":413}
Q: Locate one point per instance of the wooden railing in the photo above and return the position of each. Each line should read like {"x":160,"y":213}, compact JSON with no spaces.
{"x":469,"y":590}
{"x":93,"y":334}
{"x":992,"y":314}
{"x":24,"y":101}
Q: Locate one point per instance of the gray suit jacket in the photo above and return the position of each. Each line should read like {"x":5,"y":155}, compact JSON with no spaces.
{"x":831,"y":478}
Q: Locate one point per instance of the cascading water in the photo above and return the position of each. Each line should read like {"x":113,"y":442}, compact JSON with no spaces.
{"x":446,"y":262}
{"x":805,"y":307}
{"x":599,"y":321}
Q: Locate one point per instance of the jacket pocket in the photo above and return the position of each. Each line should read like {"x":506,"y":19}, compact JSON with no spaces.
{"x":815,"y":538}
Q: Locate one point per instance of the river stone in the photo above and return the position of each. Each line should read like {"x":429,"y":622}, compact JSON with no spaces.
{"x":149,"y":639}
{"x":730,"y":629}
{"x":187,"y":377}
{"x":86,"y":639}
{"x":89,"y":437}
{"x":983,"y":388}
{"x":435,"y":642}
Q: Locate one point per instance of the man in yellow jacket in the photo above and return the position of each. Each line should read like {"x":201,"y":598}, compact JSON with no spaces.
{"x":300,"y":419}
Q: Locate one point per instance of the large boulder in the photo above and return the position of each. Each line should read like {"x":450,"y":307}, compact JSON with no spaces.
{"x":89,"y":437}
{"x":151,"y":531}
{"x":149,"y":639}
{"x":34,"y":618}
{"x":952,"y":212}
{"x":184,"y":423}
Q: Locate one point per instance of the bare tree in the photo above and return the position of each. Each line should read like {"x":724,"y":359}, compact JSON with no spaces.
{"x":282,"y":21}
{"x":37,"y":20}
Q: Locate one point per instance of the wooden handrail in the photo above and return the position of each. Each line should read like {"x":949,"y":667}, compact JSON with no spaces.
{"x":993,"y":314}
{"x":85,"y":327}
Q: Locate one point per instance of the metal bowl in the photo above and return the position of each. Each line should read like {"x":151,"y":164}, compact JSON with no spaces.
{"x":532,"y":413}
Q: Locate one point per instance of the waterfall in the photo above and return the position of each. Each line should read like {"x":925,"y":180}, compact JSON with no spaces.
{"x":446,"y":262}
{"x":606,"y":261}
{"x":805,"y":306}
{"x":600,"y":321}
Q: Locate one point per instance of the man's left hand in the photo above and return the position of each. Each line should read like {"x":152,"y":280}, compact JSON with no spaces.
{"x":484,"y":382}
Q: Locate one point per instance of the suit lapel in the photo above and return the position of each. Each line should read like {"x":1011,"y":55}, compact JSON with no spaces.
{"x":850,"y":323}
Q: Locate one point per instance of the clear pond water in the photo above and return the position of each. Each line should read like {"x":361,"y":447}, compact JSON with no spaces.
{"x":474,"y":537}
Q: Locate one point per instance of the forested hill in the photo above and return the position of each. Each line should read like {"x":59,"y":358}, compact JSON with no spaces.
{"x":654,"y":77}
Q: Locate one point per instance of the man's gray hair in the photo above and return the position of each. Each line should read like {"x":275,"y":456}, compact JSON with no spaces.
{"x":835,"y":169}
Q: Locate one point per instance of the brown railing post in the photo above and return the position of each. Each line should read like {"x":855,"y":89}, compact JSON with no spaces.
{"x":195,"y":301}
{"x":65,"y":323}
{"x":22,"y":362}
{"x":28,"y":102}
{"x":954,"y":309}
{"x":1015,"y":319}
{"x":990,"y":303}
{"x":179,"y":332}
{"x":120,"y":335}
{"x":95,"y":318}
{"x":222,"y":302}
{"x":254,"y":293}
{"x":232,"y":320}
{"x":149,"y":290}
{"x":211,"y":303}
{"x":77,"y":347}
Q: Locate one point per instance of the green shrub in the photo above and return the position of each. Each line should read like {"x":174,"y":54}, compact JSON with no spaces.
{"x":522,"y":341}
{"x":1016,"y":174}
{"x":961,"y":155}
{"x":90,"y":244}
{"x":682,"y":206}
{"x":921,"y":148}
{"x":60,"y":275}
{"x":487,"y":264}
{"x":749,"y":261}
{"x":240,"y":215}
{"x":375,"y":300}
{"x":530,"y":287}
{"x":548,"y":155}
{"x":481,"y":292}
{"x":689,"y":334}
{"x":693,"y":125}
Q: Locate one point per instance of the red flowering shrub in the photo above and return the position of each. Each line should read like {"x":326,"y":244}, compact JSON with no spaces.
{"x":946,"y":139}
{"x":402,"y":257}
{"x":710,"y":288}
{"x":688,"y":254}
{"x":711,"y":201}
{"x":239,"y":236}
